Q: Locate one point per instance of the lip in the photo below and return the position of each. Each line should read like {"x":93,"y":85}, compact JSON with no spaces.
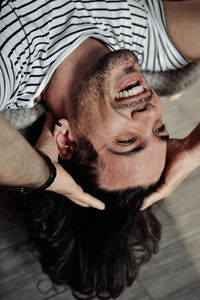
{"x":138,"y":102}
{"x":127,"y":80}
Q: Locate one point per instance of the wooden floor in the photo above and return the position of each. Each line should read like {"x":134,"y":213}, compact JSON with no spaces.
{"x":172,"y":274}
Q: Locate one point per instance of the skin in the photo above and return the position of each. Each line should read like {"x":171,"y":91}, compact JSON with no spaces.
{"x":185,"y":35}
{"x":183,"y":156}
{"x":183,"y":23}
{"x":112,"y":126}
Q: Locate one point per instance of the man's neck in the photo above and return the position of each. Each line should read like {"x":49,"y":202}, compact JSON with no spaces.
{"x":70,"y":72}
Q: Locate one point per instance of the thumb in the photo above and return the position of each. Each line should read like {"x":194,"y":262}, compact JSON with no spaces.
{"x":49,"y":121}
{"x":154,"y":197}
{"x":46,"y":142}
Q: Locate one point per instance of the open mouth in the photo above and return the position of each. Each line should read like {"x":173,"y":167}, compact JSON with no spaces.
{"x":132,"y":89}
{"x":130,"y":86}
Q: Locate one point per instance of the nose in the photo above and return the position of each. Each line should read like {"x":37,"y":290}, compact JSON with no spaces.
{"x":144,"y":119}
{"x":146,"y":114}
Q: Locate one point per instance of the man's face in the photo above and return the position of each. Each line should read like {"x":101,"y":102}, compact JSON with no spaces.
{"x":121,"y":116}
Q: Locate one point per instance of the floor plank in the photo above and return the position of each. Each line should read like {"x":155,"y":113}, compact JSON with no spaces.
{"x":178,"y":121}
{"x":189,"y":101}
{"x":181,"y":212}
{"x":175,"y":273}
{"x":133,"y":293}
{"x":19,"y":275}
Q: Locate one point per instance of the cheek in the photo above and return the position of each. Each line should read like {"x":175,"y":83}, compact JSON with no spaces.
{"x":157,"y":161}
{"x":102,"y":130}
{"x":158,"y":103}
{"x":87,"y":120}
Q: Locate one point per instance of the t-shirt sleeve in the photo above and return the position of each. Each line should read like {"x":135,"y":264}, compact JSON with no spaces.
{"x":7,"y":81}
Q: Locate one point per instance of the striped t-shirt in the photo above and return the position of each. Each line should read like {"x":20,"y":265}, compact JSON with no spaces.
{"x":37,"y":35}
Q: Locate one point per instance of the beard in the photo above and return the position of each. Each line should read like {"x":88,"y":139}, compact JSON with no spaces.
{"x":89,"y":95}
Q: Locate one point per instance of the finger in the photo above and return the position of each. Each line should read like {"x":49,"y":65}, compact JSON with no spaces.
{"x":89,"y":200}
{"x":75,"y":192}
{"x":95,"y":203}
{"x":47,"y":127}
{"x":81,"y":203}
{"x":148,"y":202}
{"x":65,"y":185}
{"x":49,"y":122}
{"x":154,"y":197}
{"x":46,"y":142}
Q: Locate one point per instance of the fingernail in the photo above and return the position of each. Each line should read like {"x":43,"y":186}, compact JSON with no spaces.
{"x":58,"y":123}
{"x":102,"y":207}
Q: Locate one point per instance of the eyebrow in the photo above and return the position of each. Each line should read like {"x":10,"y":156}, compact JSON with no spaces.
{"x":130,"y":152}
{"x":139,"y":148}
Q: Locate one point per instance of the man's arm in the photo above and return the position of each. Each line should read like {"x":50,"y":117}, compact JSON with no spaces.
{"x":183,"y":25}
{"x":183,"y":157}
{"x":21,"y":165}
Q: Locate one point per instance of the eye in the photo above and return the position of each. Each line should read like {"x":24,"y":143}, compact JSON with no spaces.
{"x":159,"y":129}
{"x":127,"y":142}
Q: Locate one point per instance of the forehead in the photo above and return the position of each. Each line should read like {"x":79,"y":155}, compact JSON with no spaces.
{"x":144,"y":168}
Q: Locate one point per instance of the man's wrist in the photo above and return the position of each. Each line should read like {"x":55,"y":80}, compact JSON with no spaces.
{"x":48,"y":182}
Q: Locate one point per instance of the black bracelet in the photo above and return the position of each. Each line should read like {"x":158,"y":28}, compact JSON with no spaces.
{"x":52,"y":176}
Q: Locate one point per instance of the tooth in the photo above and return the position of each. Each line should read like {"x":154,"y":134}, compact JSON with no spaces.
{"x":137,"y":90}
{"x":125,"y":94}
{"x":140,"y":89}
{"x":130,"y":92}
{"x":133,"y":82}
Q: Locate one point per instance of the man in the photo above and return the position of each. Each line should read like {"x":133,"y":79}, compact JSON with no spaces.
{"x":59,"y":51}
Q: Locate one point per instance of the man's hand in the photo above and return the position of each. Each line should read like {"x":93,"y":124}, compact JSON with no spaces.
{"x":63,"y":183}
{"x":179,"y":164}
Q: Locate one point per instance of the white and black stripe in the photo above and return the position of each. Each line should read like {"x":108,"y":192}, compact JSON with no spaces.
{"x":36,"y":36}
{"x":161,"y":54}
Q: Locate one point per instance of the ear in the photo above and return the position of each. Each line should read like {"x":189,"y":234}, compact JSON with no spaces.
{"x":63,"y":138}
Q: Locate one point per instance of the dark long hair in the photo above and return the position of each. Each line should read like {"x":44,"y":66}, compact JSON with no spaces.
{"x":96,"y":253}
